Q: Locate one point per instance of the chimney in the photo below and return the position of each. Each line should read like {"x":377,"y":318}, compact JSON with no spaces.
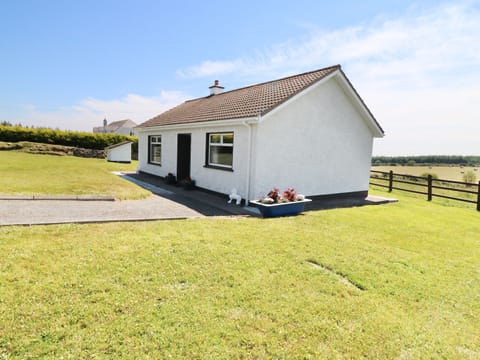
{"x":216,"y":88}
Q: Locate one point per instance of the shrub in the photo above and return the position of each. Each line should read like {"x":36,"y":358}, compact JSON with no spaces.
{"x":433,"y":175}
{"x":469,"y":177}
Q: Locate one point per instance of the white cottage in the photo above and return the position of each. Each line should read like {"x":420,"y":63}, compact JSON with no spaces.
{"x":310,"y":131}
{"x":124,"y":127}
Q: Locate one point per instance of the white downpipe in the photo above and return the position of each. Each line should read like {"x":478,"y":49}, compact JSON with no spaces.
{"x":249,"y":161}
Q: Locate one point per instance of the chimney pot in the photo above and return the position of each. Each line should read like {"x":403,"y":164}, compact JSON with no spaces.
{"x":216,"y":88}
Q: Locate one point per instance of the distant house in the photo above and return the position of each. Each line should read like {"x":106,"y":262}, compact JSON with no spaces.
{"x":121,"y":152}
{"x":310,"y":131}
{"x":124,"y":127}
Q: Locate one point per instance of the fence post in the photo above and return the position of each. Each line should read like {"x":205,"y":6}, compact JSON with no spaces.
{"x":390,"y":181}
{"x":429,"y":187}
{"x":478,"y":197}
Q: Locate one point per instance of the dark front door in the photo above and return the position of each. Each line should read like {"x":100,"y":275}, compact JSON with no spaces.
{"x":183,"y":156}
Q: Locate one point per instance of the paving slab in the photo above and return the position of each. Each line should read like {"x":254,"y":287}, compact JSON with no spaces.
{"x":59,"y":197}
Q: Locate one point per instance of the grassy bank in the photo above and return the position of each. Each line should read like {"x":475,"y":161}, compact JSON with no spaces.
{"x":29,"y":174}
{"x":378,"y":282}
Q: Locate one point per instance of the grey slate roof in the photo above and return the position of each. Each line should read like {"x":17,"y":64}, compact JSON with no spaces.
{"x":118,"y":124}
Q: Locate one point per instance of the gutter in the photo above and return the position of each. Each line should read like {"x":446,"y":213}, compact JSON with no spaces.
{"x":196,"y":125}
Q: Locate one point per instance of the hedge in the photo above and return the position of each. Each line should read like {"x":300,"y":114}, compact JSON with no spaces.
{"x":427,"y":160}
{"x":68,"y":138}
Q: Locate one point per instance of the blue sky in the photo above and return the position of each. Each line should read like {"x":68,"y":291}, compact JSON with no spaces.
{"x":416,"y":64}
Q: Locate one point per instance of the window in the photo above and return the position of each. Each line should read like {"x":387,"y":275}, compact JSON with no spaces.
{"x":220,"y":150}
{"x":155,"y":149}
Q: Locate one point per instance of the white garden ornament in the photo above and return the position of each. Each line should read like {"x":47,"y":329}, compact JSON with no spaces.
{"x":234,"y":196}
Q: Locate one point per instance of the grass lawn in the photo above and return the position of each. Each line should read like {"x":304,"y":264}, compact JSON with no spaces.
{"x":397,"y":281}
{"x":30,"y":174}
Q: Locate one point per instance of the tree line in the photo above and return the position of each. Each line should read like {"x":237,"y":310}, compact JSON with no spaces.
{"x":470,"y":160}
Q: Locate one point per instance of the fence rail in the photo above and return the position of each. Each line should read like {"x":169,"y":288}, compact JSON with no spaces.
{"x":427,"y":186}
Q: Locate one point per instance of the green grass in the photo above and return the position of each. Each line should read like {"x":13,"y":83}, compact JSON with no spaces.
{"x":397,"y":281}
{"x":29,"y":174}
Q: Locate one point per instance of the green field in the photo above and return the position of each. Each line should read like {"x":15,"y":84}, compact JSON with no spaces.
{"x":397,"y":281}
{"x":29,"y":174}
{"x":444,"y":172}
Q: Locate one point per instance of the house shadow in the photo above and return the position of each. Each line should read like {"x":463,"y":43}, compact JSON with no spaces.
{"x":202,"y":201}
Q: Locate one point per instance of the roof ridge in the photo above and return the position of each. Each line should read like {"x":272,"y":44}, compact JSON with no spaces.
{"x":290,"y":76}
{"x":338,"y":66}
{"x":117,"y":121}
{"x":119,"y":144}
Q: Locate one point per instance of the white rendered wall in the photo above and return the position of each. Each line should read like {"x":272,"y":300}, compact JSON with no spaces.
{"x":318,"y":144}
{"x":169,"y":153}
{"x":212,"y":179}
{"x":121,"y":153}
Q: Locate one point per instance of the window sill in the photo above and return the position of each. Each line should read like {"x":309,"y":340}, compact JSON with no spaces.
{"x":218,"y":168}
{"x":152,"y":163}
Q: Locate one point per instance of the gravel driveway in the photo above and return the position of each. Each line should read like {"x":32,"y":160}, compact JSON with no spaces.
{"x":25,"y":212}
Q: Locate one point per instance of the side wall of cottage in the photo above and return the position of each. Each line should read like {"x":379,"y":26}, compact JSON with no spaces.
{"x":317,"y":143}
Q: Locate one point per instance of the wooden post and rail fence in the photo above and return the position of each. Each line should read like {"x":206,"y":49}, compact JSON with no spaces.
{"x":429,"y":186}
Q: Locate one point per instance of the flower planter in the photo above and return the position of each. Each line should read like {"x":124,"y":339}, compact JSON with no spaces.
{"x":280,"y":209}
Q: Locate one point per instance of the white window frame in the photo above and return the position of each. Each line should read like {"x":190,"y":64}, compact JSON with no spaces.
{"x":153,"y":141}
{"x":222,"y":144}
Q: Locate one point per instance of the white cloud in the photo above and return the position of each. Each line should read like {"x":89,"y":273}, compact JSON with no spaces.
{"x":208,"y":68}
{"x":418,"y":73}
{"x":90,"y":112}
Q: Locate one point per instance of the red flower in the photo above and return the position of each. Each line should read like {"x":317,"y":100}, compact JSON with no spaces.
{"x":290,"y":194}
